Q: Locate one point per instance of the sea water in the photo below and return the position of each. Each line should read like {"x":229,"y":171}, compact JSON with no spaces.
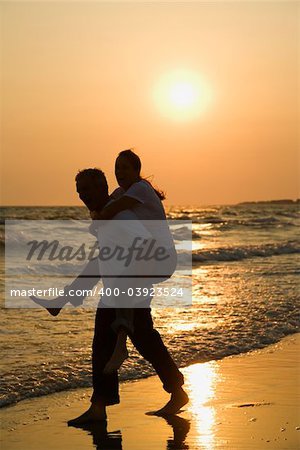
{"x":245,"y":296}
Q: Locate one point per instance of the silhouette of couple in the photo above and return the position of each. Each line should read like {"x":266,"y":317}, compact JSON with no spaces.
{"x":135,"y":199}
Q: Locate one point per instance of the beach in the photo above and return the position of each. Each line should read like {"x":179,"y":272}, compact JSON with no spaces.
{"x":246,"y":401}
{"x":131,"y":128}
{"x":237,"y":345}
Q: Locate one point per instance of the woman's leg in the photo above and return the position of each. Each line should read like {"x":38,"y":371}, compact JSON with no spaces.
{"x":85,"y":281}
{"x":122,"y":325}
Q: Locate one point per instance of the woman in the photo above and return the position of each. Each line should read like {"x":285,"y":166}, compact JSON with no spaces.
{"x":138,"y":194}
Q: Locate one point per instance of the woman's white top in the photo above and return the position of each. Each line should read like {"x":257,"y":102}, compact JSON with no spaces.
{"x":149,"y":210}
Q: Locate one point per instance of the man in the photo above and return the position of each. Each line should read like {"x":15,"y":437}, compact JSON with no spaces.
{"x":92,"y":189}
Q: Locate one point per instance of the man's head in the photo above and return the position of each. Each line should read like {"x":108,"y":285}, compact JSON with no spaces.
{"x":92,"y":188}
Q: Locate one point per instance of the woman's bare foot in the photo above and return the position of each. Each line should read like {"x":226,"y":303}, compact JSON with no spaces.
{"x":52,"y":306}
{"x":95,"y":413}
{"x":116,"y":360}
{"x":177,"y":401}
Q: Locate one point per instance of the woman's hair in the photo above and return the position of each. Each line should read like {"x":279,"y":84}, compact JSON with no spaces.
{"x":135,"y":162}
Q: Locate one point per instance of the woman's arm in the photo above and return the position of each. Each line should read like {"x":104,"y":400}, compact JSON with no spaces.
{"x":114,"y":208}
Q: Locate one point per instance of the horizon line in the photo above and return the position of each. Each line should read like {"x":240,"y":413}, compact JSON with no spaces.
{"x":288,"y":200}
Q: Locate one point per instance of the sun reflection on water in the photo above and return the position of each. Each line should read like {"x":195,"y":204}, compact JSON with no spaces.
{"x":201,"y":382}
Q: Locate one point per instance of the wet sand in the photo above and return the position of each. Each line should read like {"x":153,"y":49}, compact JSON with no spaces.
{"x":248,"y":401}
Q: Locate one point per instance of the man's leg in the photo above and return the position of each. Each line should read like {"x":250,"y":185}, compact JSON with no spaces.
{"x":105,"y":387}
{"x":148,"y":342}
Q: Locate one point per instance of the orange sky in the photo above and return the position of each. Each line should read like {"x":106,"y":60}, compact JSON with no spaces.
{"x":79,"y":84}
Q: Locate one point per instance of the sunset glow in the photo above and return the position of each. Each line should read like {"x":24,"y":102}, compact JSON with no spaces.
{"x":208,"y":105}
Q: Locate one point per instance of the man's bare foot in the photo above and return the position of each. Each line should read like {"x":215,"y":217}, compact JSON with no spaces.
{"x":96,"y":413}
{"x":52,"y":306}
{"x":177,"y":401}
{"x":116,"y":360}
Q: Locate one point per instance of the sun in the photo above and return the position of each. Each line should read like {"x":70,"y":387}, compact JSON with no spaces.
{"x":182,"y":95}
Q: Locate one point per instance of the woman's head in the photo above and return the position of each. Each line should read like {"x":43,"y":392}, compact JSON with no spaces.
{"x":127,"y":168}
{"x":128,"y":171}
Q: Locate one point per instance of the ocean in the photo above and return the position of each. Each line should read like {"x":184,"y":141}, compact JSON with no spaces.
{"x":245,"y":297}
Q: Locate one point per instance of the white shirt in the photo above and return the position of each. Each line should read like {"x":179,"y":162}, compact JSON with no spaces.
{"x":149,"y":210}
{"x":120,"y":232}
